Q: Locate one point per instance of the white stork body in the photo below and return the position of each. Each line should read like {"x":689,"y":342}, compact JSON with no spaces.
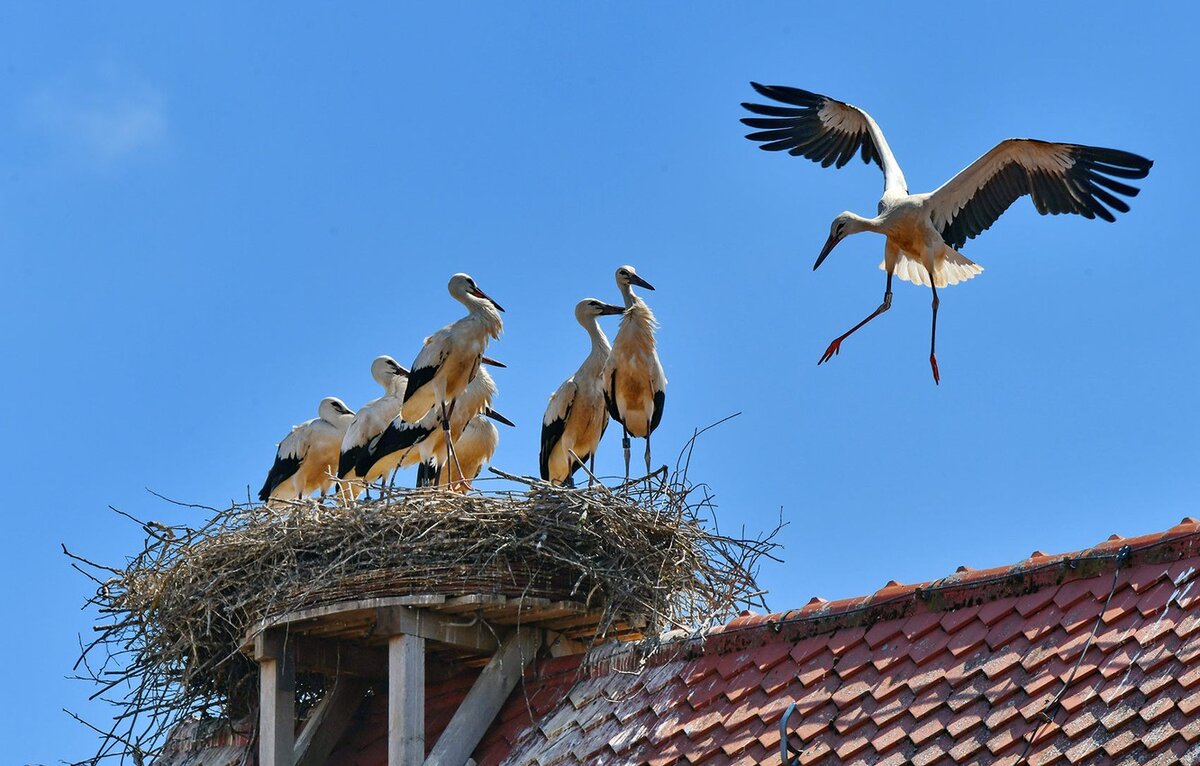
{"x":578,"y":414}
{"x":371,"y":420}
{"x":473,"y":447}
{"x":924,"y":231}
{"x":307,"y":457}
{"x":402,"y":444}
{"x":450,"y":357}
{"x":635,"y":385}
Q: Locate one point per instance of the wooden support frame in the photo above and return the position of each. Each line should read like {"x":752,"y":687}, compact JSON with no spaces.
{"x":406,"y":700}
{"x":475,"y":635}
{"x":329,"y":721}
{"x":477,"y":711}
{"x":276,"y":699}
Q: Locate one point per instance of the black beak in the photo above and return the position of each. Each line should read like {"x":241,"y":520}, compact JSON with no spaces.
{"x":492,"y":362}
{"x":608,"y":309}
{"x":496,"y":416}
{"x":635,"y":279}
{"x":829,"y":245}
{"x":481,"y":294}
{"x":401,"y":369}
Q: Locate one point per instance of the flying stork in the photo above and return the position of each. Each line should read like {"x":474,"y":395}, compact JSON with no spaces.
{"x":450,"y":358}
{"x":308,"y":455}
{"x":925,"y":231}
{"x":370,"y":421}
{"x":578,"y":413}
{"x":634,"y":382}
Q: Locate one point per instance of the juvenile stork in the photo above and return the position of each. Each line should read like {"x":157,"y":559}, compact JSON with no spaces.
{"x":578,"y":413}
{"x":308,"y":455}
{"x":403,"y":444}
{"x":450,"y":357}
{"x":370,"y":421}
{"x":925,"y":231}
{"x":635,"y":387}
{"x":473,"y":447}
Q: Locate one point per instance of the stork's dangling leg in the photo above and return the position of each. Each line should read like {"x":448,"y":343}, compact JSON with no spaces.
{"x":592,"y":467}
{"x":647,"y":452}
{"x":836,"y":345}
{"x":933,"y":335}
{"x":625,"y":446}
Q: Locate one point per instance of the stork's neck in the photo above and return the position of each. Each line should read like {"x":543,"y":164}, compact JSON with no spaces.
{"x":396,"y":385}
{"x":483,"y":310}
{"x":628,"y":294}
{"x":857,"y":224}
{"x":600,"y":345}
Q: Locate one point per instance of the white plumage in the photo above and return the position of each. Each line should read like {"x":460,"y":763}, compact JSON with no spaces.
{"x":473,"y":447}
{"x":577,"y":414}
{"x":635,"y":385}
{"x":306,"y":458}
{"x":450,"y":357}
{"x":925,"y":231}
{"x":371,"y":420}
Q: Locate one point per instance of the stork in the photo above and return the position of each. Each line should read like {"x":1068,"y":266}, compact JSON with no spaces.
{"x":450,"y":357}
{"x":473,"y":447}
{"x":307,"y":456}
{"x":925,"y":231}
{"x":370,"y":421}
{"x":577,"y":414}
{"x":403,"y":444}
{"x":635,"y":386}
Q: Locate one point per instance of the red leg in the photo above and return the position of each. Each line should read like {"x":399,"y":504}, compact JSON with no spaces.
{"x":836,"y":345}
{"x":933,"y":337}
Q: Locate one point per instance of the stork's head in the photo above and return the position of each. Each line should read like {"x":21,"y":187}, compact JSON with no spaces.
{"x":462,"y":285}
{"x":590,"y":308}
{"x":386,"y":369}
{"x":627,"y":275}
{"x":845,"y":224}
{"x":334,"y":410}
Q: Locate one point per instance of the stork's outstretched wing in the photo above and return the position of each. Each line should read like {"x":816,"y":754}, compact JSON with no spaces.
{"x":822,"y":129}
{"x":1061,"y":178}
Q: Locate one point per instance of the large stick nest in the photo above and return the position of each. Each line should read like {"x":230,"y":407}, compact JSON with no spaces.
{"x":177,"y":612}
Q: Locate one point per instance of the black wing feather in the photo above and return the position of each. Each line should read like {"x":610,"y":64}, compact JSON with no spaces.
{"x":282,"y":469}
{"x":660,"y":400}
{"x":798,"y":128}
{"x":417,"y":378}
{"x":551,"y":435}
{"x":1086,"y":188}
{"x":393,"y":439}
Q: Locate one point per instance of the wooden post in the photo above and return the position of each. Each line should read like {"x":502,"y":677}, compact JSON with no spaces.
{"x":477,"y":711}
{"x":276,"y":699}
{"x":406,"y":700}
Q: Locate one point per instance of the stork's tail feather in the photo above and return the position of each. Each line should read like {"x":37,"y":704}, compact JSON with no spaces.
{"x":953,"y":268}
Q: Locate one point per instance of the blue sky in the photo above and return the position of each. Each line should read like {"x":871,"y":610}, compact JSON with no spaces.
{"x":213,"y":217}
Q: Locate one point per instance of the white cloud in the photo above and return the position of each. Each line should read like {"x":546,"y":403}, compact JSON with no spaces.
{"x":108,"y":117}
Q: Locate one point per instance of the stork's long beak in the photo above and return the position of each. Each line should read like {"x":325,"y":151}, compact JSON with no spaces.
{"x":401,"y":370}
{"x":492,"y":362}
{"x":481,"y":294}
{"x":829,"y":245}
{"x":496,"y":416}
{"x":608,"y":309}
{"x":635,"y":279}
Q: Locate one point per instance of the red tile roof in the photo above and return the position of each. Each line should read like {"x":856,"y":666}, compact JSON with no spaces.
{"x":1090,"y":657}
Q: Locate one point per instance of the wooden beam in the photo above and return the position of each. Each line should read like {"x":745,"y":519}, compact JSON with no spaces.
{"x":276,"y":699}
{"x":406,"y":700}
{"x":476,"y":635}
{"x":329,"y":721}
{"x":477,"y":711}
{"x":339,"y":658}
